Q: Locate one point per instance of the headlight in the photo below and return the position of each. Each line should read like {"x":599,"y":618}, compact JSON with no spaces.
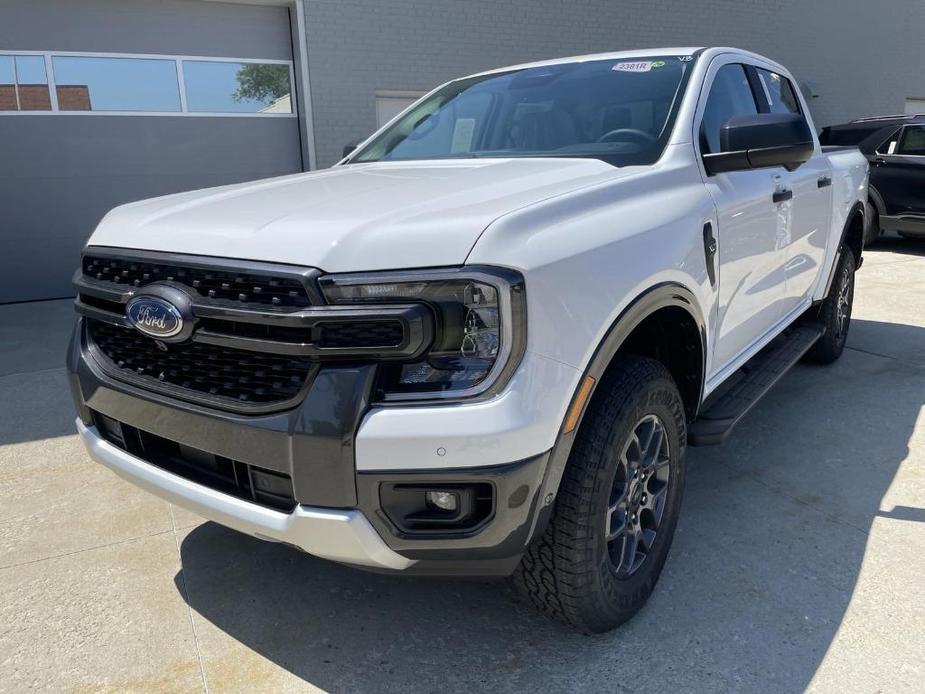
{"x":479,"y":328}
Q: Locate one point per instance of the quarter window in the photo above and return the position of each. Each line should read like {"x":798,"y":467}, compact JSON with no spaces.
{"x":115,"y":84}
{"x":226,"y":87}
{"x":730,"y":95}
{"x":23,"y":83}
{"x":778,"y":91}
{"x":913,"y":141}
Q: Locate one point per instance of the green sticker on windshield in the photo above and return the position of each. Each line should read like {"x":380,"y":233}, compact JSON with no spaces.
{"x":658,"y":63}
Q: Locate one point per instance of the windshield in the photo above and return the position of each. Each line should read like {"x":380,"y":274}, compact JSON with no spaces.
{"x":618,"y":110}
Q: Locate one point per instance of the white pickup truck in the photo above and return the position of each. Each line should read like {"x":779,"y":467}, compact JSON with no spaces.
{"x":481,"y":342}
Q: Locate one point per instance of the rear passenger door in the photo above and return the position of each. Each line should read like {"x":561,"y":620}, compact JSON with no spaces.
{"x":750,"y":257}
{"x":804,"y":210}
{"x":899,"y":172}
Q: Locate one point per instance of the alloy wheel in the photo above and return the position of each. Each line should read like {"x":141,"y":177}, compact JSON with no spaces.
{"x":638,"y":496}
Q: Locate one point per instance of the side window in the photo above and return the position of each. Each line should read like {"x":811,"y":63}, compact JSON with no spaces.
{"x":779,"y":92}
{"x":730,"y":95}
{"x":889,"y":145}
{"x":913,"y":141}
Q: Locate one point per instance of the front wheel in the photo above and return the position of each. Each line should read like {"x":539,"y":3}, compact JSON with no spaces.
{"x":600,"y":556}
{"x":835,"y":312}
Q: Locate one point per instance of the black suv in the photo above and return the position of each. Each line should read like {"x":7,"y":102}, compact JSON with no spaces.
{"x":895,"y":147}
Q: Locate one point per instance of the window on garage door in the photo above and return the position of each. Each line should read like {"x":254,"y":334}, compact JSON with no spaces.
{"x":85,"y":83}
{"x":144,"y":84}
{"x":23,"y":83}
{"x":230,"y":87}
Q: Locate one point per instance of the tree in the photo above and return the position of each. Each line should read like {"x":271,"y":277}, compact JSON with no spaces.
{"x":261,"y":82}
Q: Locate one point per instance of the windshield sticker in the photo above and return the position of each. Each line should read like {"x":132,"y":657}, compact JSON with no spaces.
{"x":462,"y":135}
{"x":637,"y":66}
{"x":658,"y":63}
{"x":685,"y":58}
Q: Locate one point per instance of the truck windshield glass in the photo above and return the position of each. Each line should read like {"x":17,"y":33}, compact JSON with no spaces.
{"x":618,"y":110}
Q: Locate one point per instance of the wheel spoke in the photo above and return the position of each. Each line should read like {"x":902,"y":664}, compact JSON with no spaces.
{"x":646,"y":538}
{"x":616,"y":521}
{"x":630,"y":547}
{"x":655,"y":502}
{"x":654,"y":445}
{"x":634,"y":452}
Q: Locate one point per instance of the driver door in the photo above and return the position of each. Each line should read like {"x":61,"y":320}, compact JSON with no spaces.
{"x":750,"y":254}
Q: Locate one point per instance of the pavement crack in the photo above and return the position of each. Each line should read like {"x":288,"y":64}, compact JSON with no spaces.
{"x":189,"y":609}
{"x":905,"y":362}
{"x":82,"y":550}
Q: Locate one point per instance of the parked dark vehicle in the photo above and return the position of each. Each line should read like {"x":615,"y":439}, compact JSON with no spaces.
{"x":895,"y":147}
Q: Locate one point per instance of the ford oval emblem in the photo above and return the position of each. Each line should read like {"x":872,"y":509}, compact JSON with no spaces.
{"x":154,"y":317}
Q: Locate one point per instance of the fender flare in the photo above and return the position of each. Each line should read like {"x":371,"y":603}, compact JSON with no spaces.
{"x":876,"y":200}
{"x":659,"y":296}
{"x":856,"y":209}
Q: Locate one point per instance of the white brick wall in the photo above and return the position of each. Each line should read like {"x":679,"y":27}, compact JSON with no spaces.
{"x":864,"y":57}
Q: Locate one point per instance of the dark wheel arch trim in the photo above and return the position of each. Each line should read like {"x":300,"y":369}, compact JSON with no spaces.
{"x":857,"y":209}
{"x":659,"y":296}
{"x":876,"y":199}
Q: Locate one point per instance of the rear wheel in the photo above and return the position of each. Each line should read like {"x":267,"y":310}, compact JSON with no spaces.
{"x":872,"y":233}
{"x":835,"y":312}
{"x":618,"y":503}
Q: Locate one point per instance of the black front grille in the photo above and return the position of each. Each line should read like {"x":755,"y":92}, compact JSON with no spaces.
{"x":382,"y":333}
{"x":217,"y":284}
{"x":218,"y":374}
{"x":261,"y":486}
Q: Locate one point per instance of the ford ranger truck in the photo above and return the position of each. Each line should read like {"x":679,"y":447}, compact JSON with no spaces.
{"x":480,"y":344}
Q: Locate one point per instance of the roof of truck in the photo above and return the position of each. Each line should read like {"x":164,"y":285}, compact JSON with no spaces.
{"x":610,"y":55}
{"x":635,"y":53}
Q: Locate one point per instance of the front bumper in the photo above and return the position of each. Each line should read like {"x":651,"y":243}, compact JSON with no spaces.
{"x":337,"y":510}
{"x":340,"y":535}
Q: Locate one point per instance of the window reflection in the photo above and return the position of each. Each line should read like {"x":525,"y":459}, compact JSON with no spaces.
{"x":225,"y":87}
{"x":116,"y":84}
{"x":23,"y":83}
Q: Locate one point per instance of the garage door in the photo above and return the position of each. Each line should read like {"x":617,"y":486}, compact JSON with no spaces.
{"x":107,"y":101}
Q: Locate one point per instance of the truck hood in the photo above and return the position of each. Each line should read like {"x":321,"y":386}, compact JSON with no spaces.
{"x":349,"y":218}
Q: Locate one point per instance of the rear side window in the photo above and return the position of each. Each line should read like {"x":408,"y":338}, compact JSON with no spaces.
{"x":730,"y":95}
{"x":912,"y":141}
{"x":778,"y":91}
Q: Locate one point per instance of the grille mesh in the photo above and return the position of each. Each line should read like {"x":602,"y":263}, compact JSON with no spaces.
{"x":237,"y":287}
{"x":225,"y":374}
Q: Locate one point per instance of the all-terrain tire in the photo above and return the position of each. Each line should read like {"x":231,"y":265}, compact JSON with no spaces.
{"x":570,"y":571}
{"x":835,"y":313}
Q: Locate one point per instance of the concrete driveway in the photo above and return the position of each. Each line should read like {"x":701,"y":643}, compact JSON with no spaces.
{"x":799,"y":560}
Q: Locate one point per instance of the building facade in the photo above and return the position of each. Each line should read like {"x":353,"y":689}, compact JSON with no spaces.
{"x":107,"y":101}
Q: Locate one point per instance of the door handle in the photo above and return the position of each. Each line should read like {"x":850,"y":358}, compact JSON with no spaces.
{"x":879,"y":161}
{"x":824,"y":182}
{"x":782,"y":195}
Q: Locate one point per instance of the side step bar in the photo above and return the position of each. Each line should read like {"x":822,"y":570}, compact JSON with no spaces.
{"x":757,"y":377}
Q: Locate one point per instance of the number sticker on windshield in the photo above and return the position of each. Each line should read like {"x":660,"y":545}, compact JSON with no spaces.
{"x":638,"y":66}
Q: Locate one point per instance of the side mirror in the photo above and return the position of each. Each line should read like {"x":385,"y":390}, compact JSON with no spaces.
{"x":349,"y":148}
{"x":760,"y":141}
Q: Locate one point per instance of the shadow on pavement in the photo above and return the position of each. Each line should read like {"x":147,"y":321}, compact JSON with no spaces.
{"x":773,"y":533}
{"x":891,"y":242}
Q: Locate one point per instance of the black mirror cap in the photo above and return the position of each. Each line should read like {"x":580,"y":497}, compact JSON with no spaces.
{"x":762,"y":140}
{"x":763,"y":131}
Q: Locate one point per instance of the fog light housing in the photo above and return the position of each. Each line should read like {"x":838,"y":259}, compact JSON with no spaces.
{"x":444,"y":501}
{"x":452,"y":508}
